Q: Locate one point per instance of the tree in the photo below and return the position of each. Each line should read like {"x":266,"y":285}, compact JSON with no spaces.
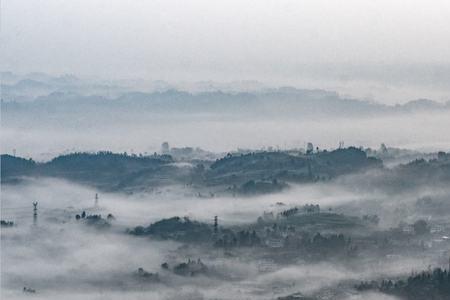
{"x":421,"y":227}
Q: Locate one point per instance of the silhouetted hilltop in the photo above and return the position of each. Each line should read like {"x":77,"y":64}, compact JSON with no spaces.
{"x":248,"y":174}
{"x":253,"y":173}
{"x":176,"y":228}
{"x":13,"y":165}
{"x":431,"y":284}
{"x":414,"y":174}
{"x":235,"y":169}
{"x":102,"y":169}
{"x":420,"y":170}
{"x":104,"y":162}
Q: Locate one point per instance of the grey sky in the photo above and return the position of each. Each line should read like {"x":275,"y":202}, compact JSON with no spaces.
{"x":273,"y":41}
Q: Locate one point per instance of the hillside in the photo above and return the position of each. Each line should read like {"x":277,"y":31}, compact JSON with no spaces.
{"x":323,"y":165}
{"x":269,"y":103}
{"x":260,"y":172}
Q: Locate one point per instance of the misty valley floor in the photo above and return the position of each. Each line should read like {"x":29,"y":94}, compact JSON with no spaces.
{"x":311,"y":240}
{"x":225,"y":150}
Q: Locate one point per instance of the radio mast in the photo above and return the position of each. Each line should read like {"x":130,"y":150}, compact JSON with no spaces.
{"x":35,"y":213}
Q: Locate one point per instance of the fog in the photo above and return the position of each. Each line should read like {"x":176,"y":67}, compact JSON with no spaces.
{"x":388,"y":51}
{"x":371,"y":200}
{"x":193,"y":150}
{"x":45,"y":139}
{"x":62,"y":258}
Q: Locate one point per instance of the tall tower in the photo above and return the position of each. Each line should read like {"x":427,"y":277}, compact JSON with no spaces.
{"x":165,"y":148}
{"x":35,"y":213}
{"x":216,"y":225}
{"x":309,"y":148}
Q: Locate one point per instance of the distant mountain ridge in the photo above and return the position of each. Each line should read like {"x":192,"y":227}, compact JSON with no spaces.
{"x":289,"y":102}
{"x":69,"y":100}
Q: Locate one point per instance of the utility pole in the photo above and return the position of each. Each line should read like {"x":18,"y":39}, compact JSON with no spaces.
{"x":35,"y":213}
{"x":96,"y":200}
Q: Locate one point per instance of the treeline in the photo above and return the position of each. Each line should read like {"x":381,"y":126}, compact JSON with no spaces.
{"x":286,"y":238}
{"x":249,"y":174}
{"x":426,"y":285}
{"x":101,"y":169}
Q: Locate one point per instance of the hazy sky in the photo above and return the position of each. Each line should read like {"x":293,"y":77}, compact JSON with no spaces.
{"x":274,"y":41}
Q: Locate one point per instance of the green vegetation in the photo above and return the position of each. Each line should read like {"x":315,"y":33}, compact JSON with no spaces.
{"x":269,"y":166}
{"x":432,"y":284}
{"x":249,"y":174}
{"x":176,"y":228}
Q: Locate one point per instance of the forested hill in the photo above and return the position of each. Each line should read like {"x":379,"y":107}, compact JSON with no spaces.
{"x":323,"y":165}
{"x":247,"y":171}
{"x":103,"y":169}
{"x":251,"y":173}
